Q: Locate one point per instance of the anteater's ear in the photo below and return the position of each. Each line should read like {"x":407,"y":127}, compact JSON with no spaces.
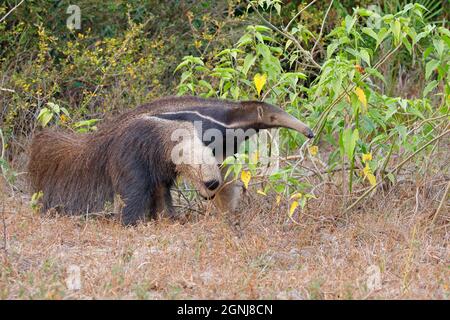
{"x":260,"y":111}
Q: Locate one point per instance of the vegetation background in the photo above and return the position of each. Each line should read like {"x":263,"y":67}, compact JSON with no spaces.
{"x":360,"y":212}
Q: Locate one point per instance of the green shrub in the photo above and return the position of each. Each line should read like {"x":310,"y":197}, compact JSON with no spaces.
{"x":347,"y":100}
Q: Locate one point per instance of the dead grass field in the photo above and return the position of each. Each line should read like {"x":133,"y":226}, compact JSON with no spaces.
{"x":387,"y":248}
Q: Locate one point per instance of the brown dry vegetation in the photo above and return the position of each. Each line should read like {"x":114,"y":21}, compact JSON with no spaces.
{"x":327,"y":255}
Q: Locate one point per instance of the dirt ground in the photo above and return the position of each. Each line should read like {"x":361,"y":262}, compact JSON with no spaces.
{"x":387,"y":248}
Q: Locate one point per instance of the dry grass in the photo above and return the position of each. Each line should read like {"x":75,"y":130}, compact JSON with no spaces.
{"x":328,"y":255}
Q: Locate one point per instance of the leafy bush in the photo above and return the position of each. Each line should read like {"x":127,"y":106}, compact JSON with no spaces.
{"x":347,"y":101}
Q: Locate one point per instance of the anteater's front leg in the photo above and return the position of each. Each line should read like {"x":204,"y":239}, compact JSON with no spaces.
{"x":137,"y":207}
{"x":133,"y":185}
{"x":164,"y":201}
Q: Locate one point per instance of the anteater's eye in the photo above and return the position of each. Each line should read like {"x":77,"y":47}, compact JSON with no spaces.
{"x":273,"y":118}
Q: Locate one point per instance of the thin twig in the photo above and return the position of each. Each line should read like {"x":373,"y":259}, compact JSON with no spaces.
{"x":321,"y":28}
{"x":5,"y":250}
{"x":306,"y":53}
{"x":441,"y":204}
{"x":7,"y":90}
{"x":297,"y":14}
{"x":9,"y":12}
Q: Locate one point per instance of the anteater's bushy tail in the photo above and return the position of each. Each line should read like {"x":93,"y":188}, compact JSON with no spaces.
{"x":71,"y":171}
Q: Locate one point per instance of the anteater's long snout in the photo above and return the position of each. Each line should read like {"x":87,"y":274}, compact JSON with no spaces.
{"x":288,"y":121}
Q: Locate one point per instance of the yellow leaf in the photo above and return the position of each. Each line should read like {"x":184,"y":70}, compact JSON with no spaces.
{"x":294,"y":206}
{"x":367,"y":157}
{"x":362,"y":97}
{"x":260,"y":81}
{"x":296,"y":195}
{"x":278,"y":199}
{"x":313,"y":150}
{"x":372,"y":179}
{"x":261,"y":192}
{"x":245,"y":177}
{"x":366,"y":171}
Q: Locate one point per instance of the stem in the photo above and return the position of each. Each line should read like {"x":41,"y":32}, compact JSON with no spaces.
{"x":383,"y":168}
{"x":2,"y":155}
{"x":352,"y":160}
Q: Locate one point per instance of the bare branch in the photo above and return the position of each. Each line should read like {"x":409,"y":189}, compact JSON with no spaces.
{"x":7,"y":90}
{"x":307,"y":54}
{"x":298,"y":13}
{"x":321,"y":28}
{"x":9,"y":12}
{"x":441,"y":204}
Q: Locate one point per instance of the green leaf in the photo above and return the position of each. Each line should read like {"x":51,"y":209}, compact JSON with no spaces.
{"x":382,"y":34}
{"x":390,"y":112}
{"x":331,"y":48}
{"x":439,"y":46}
{"x":44,"y":117}
{"x":235,"y":92}
{"x":261,"y":28}
{"x":407,"y":44}
{"x":423,"y":34}
{"x":205,"y":84}
{"x":430,"y":67}
{"x":365,"y":56}
{"x":353,"y":52}
{"x":430,"y":87}
{"x":365,"y":13}
{"x":185,"y":75}
{"x":54,"y":107}
{"x":349,"y":23}
{"x":444,"y":31}
{"x":375,"y":73}
{"x":249,"y":61}
{"x":370,"y":32}
{"x":277,"y":7}
{"x":396,"y":29}
{"x":64,"y":110}
{"x":427,"y":52}
{"x":349,"y":139}
{"x":86,"y":123}
{"x":391,"y":177}
{"x":244,"y":40}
